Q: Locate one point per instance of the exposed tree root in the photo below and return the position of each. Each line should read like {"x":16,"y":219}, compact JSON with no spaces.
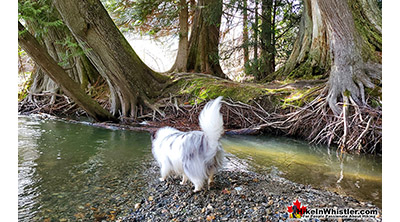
{"x":356,"y":129}
{"x":40,"y":103}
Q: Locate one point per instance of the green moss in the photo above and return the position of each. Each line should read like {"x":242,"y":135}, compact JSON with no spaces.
{"x":198,"y":89}
{"x":299,"y":97}
{"x":203,"y":88}
{"x":375,"y":96}
{"x":307,"y":71}
{"x":347,"y":93}
{"x":371,"y":38}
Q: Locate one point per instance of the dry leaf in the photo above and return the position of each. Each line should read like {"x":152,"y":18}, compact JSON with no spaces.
{"x":210,"y":217}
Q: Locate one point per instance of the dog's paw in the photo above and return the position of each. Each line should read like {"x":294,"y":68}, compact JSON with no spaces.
{"x":196,"y":190}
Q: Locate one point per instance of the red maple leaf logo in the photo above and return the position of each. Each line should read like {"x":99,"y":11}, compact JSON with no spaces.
{"x":296,"y":210}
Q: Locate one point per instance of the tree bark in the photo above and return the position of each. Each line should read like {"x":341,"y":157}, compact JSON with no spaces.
{"x":183,"y":45}
{"x":267,"y":48}
{"x":131,"y":82}
{"x":335,"y":39}
{"x":255,"y":30}
{"x":245,"y":34}
{"x":349,"y":72}
{"x":72,"y":89}
{"x":204,"y":39}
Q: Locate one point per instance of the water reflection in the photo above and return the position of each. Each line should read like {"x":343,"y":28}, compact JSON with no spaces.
{"x":359,"y":176}
{"x":27,"y":155}
{"x":68,"y":169}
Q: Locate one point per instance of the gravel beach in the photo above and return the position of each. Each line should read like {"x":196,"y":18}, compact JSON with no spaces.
{"x":236,"y":195}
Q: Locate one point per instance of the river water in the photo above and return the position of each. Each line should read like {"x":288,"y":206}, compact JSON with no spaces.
{"x":65,"y":169}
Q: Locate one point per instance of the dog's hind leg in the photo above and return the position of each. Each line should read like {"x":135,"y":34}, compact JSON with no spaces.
{"x":164,"y":173}
{"x":184,"y":179}
{"x":198,"y":184}
{"x":210,"y":179}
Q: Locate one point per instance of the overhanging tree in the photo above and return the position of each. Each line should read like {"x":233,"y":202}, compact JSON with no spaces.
{"x":131,"y":82}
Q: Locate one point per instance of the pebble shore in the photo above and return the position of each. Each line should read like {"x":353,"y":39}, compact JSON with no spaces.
{"x":236,"y":195}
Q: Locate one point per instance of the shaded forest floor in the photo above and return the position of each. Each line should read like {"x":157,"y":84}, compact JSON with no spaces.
{"x":292,"y":108}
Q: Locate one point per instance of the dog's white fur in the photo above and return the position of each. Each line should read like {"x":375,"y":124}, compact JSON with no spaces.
{"x":195,"y":155}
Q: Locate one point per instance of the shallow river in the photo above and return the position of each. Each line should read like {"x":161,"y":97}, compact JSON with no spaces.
{"x":65,"y":169}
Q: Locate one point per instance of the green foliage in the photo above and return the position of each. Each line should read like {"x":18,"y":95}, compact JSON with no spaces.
{"x":24,"y":74}
{"x":379,"y":2}
{"x":71,"y":50}
{"x":252,"y":67}
{"x":23,"y":89}
{"x":39,"y":15}
{"x":151,"y":17}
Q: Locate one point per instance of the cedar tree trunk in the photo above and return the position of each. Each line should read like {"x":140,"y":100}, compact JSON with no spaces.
{"x":267,"y":49}
{"x":245,"y":34}
{"x":131,"y":82}
{"x":204,"y":38}
{"x":183,"y":45}
{"x":341,"y":39}
{"x":255,"y":30}
{"x":71,"y":88}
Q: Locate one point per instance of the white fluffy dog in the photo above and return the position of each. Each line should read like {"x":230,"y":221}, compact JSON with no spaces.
{"x":195,"y":155}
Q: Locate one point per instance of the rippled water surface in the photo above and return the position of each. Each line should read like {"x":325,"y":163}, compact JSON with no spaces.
{"x":66,"y":170}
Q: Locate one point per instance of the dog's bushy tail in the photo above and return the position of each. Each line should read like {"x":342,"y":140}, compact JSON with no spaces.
{"x":211,"y":121}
